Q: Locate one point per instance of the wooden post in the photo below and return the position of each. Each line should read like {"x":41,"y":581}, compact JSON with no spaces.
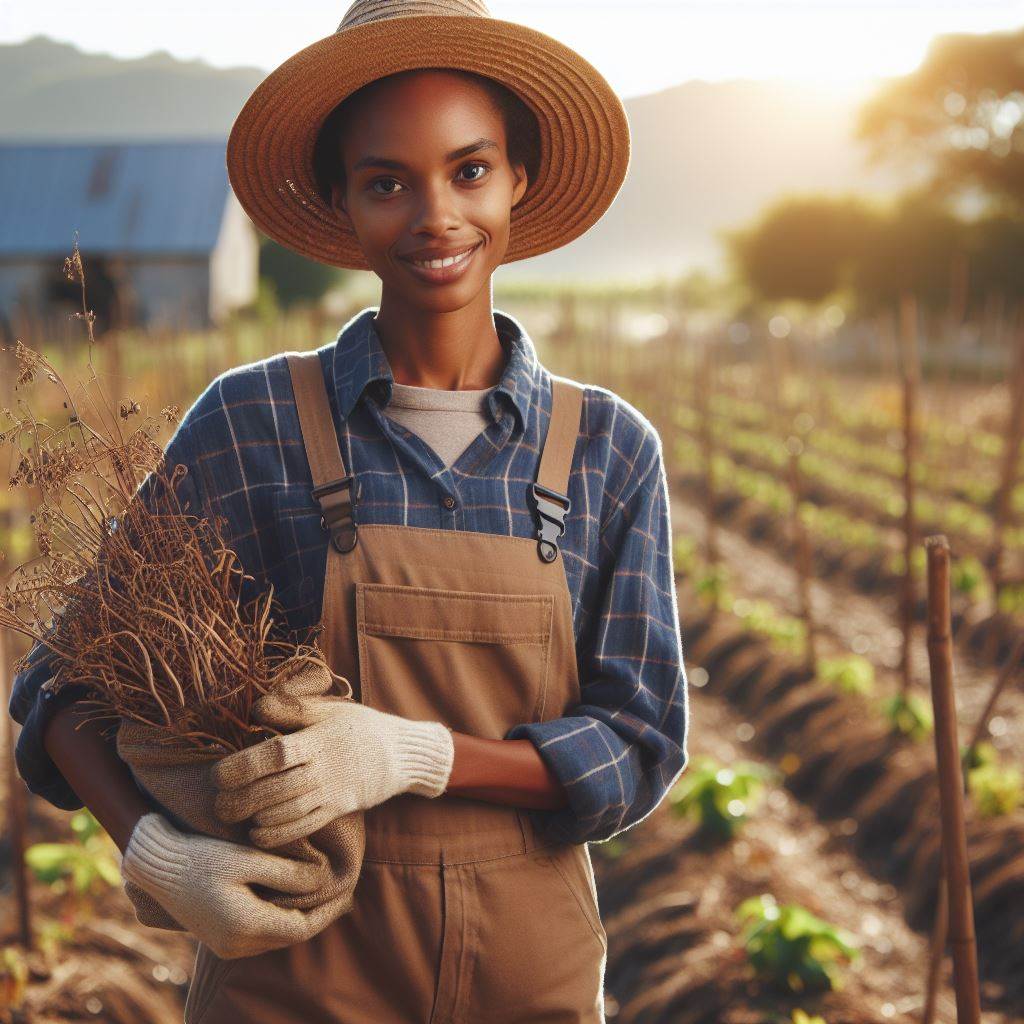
{"x":909,"y":372}
{"x":16,"y":819}
{"x":887,"y":345}
{"x":1011,"y":458}
{"x":793,"y":446}
{"x":703,"y":375}
{"x":959,"y":280}
{"x":1009,"y":670}
{"x":679,"y":342}
{"x":950,"y":770}
{"x":937,"y":944}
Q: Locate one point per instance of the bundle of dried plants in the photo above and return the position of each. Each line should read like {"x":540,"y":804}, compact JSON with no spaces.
{"x":141,"y":600}
{"x":145,"y":597}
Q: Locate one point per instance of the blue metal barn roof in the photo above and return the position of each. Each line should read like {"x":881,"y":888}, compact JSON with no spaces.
{"x":153,"y":198}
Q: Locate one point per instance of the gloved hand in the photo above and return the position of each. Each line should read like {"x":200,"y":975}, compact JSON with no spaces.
{"x":203,"y":883}
{"x":344,"y":757}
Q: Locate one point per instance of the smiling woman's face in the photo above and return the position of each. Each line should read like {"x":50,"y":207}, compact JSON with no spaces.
{"x":427,"y":170}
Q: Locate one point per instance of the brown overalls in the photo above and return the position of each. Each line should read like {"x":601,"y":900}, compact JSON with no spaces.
{"x":463,"y":912}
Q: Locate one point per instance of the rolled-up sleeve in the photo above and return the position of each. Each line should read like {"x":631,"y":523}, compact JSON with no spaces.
{"x":620,"y":750}
{"x":33,"y":702}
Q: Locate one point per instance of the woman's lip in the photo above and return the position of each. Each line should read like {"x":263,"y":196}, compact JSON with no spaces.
{"x":442,"y":275}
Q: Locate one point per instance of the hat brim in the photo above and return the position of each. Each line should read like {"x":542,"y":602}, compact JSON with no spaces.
{"x":584,"y":132}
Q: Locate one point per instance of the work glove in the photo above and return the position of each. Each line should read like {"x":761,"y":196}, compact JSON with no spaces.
{"x":204,"y":884}
{"x":344,"y":757}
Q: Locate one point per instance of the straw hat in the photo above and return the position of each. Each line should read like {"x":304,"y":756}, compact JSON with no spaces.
{"x":584,"y":133}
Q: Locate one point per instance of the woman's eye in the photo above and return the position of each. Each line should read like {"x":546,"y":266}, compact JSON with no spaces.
{"x":377,"y":181}
{"x":470,"y":166}
{"x":390,"y":192}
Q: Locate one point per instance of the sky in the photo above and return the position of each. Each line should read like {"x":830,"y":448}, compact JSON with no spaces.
{"x":641,"y":46}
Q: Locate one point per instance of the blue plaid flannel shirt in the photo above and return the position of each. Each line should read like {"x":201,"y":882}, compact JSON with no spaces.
{"x":618,"y":752}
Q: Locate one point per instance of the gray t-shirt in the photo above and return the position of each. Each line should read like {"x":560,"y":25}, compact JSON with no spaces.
{"x":449,"y":421}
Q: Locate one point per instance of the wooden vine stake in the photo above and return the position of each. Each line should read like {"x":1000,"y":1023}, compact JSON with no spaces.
{"x":1009,"y":671}
{"x":955,"y":867}
{"x":1008,"y":469}
{"x":677,"y":343}
{"x":703,"y":381}
{"x":793,"y":444}
{"x":16,"y":825}
{"x":910,"y":372}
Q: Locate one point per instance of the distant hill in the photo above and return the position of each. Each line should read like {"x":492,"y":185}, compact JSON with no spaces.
{"x":53,"y":90}
{"x":705,"y":155}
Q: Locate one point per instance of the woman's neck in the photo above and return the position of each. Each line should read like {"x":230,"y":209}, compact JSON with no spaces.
{"x":456,"y":350}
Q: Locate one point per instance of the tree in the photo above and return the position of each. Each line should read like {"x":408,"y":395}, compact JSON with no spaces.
{"x":800,"y":246}
{"x":962,"y":111}
{"x":295,"y":279}
{"x":914,"y":248}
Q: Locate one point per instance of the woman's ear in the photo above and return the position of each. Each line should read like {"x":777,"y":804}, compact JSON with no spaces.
{"x":521,"y":184}
{"x":338,"y":204}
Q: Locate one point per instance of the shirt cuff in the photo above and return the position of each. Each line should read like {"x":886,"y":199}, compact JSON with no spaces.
{"x":565,"y":746}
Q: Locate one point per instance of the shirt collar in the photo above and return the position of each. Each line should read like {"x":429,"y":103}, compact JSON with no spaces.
{"x":359,"y":360}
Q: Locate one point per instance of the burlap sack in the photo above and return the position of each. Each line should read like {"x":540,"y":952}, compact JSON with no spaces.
{"x":178,"y":782}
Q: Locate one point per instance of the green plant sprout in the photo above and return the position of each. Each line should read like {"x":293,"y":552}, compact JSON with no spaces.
{"x":982,"y":753}
{"x":897,"y":563}
{"x":712,"y":586}
{"x":995,"y":788}
{"x":791,"y":948}
{"x":719,"y":797}
{"x":81,"y":868}
{"x":850,"y":673}
{"x":684,"y":555}
{"x":783,"y":631}
{"x":1011,"y":598}
{"x":831,"y":523}
{"x":909,"y":715}
{"x":800,"y":1017}
{"x":968,"y":577}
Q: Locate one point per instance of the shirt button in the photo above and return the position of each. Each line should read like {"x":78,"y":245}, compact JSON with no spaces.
{"x":449,"y":501}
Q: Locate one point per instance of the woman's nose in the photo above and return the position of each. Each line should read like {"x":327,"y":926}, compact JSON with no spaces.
{"x":437,"y":212}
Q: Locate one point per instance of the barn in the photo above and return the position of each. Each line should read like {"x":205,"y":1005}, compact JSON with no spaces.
{"x":164,"y":242}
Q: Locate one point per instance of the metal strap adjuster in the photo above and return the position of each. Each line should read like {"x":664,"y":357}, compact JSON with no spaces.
{"x":552,"y":509}
{"x":339,"y":513}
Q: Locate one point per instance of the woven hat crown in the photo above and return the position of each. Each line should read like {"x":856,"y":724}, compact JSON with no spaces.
{"x":364,"y":11}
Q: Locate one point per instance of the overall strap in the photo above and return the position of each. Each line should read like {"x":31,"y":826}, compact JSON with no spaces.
{"x":551,"y":491}
{"x":332,"y":486}
{"x":338,"y":498}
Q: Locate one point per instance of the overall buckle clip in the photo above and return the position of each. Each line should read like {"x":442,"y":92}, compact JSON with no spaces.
{"x":552,"y":509}
{"x":339,"y":510}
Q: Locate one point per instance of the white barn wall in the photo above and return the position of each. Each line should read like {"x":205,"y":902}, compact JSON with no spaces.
{"x":234,"y":262}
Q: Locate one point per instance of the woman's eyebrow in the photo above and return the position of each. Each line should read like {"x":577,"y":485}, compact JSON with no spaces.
{"x":397,"y":165}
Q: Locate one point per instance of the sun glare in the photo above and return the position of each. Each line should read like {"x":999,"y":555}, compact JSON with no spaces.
{"x":642,"y":46}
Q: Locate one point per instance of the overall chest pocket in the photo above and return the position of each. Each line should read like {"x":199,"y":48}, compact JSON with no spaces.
{"x":476,"y":661}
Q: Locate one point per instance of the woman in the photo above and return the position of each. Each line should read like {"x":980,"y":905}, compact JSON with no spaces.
{"x":486,"y":547}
